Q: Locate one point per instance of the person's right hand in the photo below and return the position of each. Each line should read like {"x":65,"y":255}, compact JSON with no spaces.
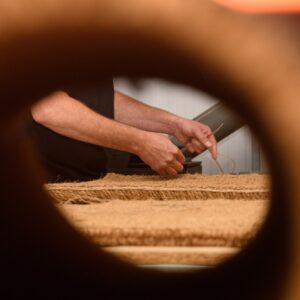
{"x":161,"y":154}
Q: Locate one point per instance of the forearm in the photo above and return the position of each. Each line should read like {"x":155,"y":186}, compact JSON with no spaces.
{"x":196,"y":136}
{"x":70,"y":118}
{"x":134,"y":113}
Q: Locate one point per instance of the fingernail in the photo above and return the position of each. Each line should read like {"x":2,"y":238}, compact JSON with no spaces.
{"x":208,"y":144}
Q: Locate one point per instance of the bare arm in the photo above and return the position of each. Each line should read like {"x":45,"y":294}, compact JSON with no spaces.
{"x":71,"y":118}
{"x":197,"y":137}
{"x":134,"y":113}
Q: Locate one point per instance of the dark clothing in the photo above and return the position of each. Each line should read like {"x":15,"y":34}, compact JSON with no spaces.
{"x":66,"y":159}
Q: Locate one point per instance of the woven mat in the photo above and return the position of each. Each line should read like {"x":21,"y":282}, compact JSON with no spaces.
{"x":148,"y":219}
{"x":183,"y":187}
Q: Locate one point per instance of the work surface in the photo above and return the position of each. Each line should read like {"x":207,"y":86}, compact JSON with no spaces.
{"x":149,"y":219}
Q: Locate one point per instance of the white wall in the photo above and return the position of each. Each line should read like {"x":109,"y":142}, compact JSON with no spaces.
{"x":235,"y":151}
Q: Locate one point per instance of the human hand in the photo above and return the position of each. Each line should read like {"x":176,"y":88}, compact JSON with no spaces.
{"x":161,"y":154}
{"x":196,"y":136}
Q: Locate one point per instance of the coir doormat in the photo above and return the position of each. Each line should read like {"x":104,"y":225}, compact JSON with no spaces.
{"x":149,"y":219}
{"x":183,"y":187}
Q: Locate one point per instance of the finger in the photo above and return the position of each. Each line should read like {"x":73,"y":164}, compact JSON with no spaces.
{"x":190,"y":148}
{"x":160,"y":171}
{"x":177,"y":166}
{"x":198,"y":146}
{"x":214,"y":151}
{"x":201,"y":137}
{"x":210,"y":136}
{"x":180,"y":157}
{"x":171,"y":171}
{"x":206,"y":131}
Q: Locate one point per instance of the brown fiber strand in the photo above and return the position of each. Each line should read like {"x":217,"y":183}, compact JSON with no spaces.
{"x":184,"y":187}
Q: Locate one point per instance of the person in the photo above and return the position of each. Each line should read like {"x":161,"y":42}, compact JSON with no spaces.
{"x":73,"y":127}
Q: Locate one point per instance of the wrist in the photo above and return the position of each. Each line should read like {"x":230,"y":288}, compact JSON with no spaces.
{"x":138,"y":142}
{"x":176,"y":125}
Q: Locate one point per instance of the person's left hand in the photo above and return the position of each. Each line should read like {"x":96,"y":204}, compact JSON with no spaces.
{"x":196,"y":136}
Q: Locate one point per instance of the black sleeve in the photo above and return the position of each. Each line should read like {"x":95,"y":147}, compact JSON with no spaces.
{"x":66,"y":159}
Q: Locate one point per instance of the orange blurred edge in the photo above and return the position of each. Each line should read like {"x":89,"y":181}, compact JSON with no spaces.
{"x":262,"y":6}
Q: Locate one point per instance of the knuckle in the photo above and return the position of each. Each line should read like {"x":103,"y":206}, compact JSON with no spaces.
{"x":174,"y":152}
{"x":169,"y":160}
{"x":163,"y":165}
